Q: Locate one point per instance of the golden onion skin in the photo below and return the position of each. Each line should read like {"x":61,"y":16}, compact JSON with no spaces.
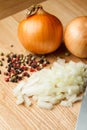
{"x":41,"y":32}
{"x":75,"y":36}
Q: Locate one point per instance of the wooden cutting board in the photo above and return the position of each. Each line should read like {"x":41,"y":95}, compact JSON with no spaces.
{"x":13,"y":117}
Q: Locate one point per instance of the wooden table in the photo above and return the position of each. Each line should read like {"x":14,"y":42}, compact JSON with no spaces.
{"x":13,"y":117}
{"x":9,"y":7}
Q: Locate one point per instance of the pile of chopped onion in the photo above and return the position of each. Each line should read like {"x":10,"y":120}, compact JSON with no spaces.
{"x":62,"y":83}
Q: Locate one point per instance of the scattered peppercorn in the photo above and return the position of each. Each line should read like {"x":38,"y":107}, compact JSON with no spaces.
{"x":2,"y":59}
{"x":2,"y":54}
{"x":1,"y":64}
{"x":7,"y":79}
{"x":26,"y":74}
{"x":6,"y":73}
{"x":67,"y":54}
{"x":12,"y":45}
{"x":14,"y":78}
{"x":20,"y":66}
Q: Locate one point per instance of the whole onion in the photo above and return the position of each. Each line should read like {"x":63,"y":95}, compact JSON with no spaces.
{"x":40,"y":32}
{"x":75,"y":36}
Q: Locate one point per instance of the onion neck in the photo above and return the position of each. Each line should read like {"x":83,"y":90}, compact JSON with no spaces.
{"x":36,"y":9}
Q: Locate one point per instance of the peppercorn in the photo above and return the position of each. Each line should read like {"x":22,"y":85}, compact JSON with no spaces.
{"x":2,"y":59}
{"x":21,"y":57}
{"x":2,"y":54}
{"x":13,"y":78}
{"x":25,"y":74}
{"x":29,"y":62}
{"x":7,"y":79}
{"x":48,"y":62}
{"x":24,"y":67}
{"x":14,"y":56}
{"x":34,"y":65}
{"x":6,"y":73}
{"x":44,"y":65}
{"x":9,"y":69}
{"x":39,"y":68}
{"x":28,"y":75}
{"x":1,"y":64}
{"x":41,"y":60}
{"x":32,"y":70}
{"x":19,"y":77}
{"x":0,"y":72}
{"x":9,"y":59}
{"x":12,"y":45}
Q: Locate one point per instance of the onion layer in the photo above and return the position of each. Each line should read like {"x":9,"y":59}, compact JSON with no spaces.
{"x":75,"y":36}
{"x":41,"y":32}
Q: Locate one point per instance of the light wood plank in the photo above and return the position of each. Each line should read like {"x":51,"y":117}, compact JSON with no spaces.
{"x":13,"y":117}
{"x":9,"y":7}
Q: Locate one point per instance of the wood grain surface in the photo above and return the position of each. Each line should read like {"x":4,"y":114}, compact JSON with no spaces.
{"x":9,"y":7}
{"x":13,"y":117}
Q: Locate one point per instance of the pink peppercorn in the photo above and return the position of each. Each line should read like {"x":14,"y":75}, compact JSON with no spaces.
{"x":32,"y":70}
{"x":7,"y":79}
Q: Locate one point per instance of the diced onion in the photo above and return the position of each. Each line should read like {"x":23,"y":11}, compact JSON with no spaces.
{"x":62,"y":83}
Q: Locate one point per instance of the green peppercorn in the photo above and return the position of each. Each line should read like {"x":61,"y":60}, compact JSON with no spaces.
{"x":1,"y":64}
{"x":13,"y":78}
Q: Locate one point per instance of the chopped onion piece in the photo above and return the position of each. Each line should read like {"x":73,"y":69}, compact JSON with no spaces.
{"x":44,"y":105}
{"x":62,"y":83}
